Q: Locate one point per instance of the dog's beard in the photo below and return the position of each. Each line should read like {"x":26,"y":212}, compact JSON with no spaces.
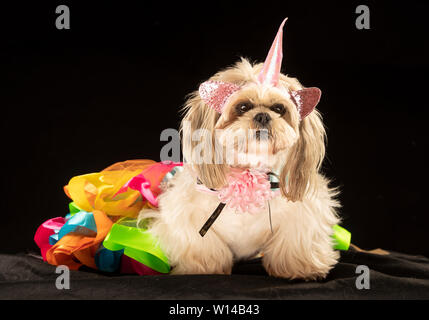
{"x":262,"y":135}
{"x":255,"y":147}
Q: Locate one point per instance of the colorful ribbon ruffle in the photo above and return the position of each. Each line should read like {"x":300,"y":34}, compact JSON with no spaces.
{"x":89,"y":236}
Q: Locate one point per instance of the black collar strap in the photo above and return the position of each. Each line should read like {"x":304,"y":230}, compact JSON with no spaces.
{"x":218,"y":210}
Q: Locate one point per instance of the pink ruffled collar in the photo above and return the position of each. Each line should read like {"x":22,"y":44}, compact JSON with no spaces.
{"x":248,"y":190}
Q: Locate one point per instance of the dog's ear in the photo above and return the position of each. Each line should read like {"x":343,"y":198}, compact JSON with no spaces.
{"x":299,"y":174}
{"x":199,"y":142}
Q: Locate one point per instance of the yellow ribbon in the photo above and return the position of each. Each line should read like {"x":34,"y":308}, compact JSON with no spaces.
{"x":97,"y":191}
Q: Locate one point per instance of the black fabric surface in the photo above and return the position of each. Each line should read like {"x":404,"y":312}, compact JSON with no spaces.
{"x":393,"y":276}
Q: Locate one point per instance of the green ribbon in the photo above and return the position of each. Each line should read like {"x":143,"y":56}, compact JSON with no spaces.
{"x":341,"y":237}
{"x":73,"y":208}
{"x":137,"y":244}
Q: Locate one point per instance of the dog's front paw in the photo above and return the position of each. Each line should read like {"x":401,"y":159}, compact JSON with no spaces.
{"x":199,"y":268}
{"x":300,"y":269}
{"x":307,"y":275}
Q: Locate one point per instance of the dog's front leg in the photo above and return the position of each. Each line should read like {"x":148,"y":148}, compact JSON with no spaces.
{"x":206,"y":255}
{"x":293,"y":259}
{"x":301,"y":246}
{"x":188,"y":252}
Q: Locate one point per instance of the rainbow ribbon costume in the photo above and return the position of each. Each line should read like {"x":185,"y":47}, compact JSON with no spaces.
{"x":101,"y":230}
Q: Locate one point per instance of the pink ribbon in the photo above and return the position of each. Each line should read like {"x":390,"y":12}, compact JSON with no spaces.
{"x":143,"y":185}
{"x":45,"y":230}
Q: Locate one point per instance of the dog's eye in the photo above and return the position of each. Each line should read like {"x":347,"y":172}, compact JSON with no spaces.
{"x":278,"y":108}
{"x":243,"y":107}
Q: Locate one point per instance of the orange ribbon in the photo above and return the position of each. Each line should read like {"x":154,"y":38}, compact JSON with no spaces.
{"x":75,"y":250}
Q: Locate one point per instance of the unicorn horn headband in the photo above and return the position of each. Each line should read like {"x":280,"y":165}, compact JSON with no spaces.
{"x":216,"y":93}
{"x":270,"y":72}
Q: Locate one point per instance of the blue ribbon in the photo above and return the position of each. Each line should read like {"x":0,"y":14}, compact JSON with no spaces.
{"x":107,"y":260}
{"x":81,"y":222}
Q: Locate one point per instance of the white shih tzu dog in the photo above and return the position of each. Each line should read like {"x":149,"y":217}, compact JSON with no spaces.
{"x":293,"y":231}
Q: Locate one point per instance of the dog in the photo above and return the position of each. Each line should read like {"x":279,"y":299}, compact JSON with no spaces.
{"x":295,"y":238}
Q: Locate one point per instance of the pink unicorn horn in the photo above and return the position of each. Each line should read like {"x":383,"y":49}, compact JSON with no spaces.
{"x":273,"y":63}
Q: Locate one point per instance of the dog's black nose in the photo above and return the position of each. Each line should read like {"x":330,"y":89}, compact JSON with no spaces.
{"x":262,"y":118}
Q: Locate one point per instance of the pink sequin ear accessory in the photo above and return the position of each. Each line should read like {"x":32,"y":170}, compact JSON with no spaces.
{"x":216,"y":93}
{"x":306,"y":100}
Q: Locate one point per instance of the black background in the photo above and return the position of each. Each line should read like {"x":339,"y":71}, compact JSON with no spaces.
{"x":75,"y":101}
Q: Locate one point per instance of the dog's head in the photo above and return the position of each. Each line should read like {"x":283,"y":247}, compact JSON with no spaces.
{"x":252,"y":115}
